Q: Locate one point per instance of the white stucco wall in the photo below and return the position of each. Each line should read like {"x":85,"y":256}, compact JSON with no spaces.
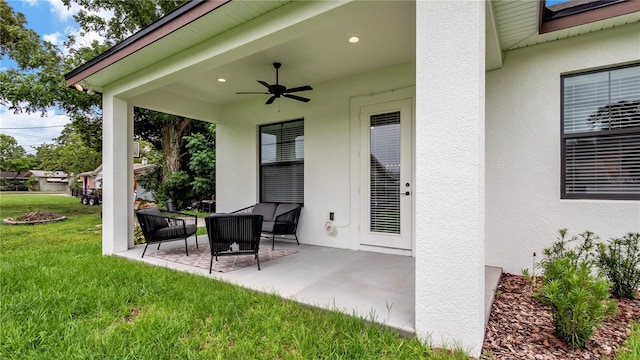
{"x":450,"y":165}
{"x":524,"y":209}
{"x":327,"y":150}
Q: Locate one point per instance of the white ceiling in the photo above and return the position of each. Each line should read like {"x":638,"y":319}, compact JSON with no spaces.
{"x":387,"y":37}
{"x":321,"y":51}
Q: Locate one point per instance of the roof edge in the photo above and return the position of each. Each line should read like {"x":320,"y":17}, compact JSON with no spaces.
{"x":585,"y":15}
{"x":169,"y":23}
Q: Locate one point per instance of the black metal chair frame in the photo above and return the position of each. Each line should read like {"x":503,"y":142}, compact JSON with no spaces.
{"x":234,"y":234}
{"x":284,"y":224}
{"x":176,"y":228}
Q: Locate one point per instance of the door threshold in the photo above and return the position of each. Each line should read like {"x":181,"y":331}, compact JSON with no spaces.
{"x":386,"y":250}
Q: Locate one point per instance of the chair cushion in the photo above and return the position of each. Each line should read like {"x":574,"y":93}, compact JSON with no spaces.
{"x":267,"y":226}
{"x":158,"y":222}
{"x":279,"y":228}
{"x":174,"y":232}
{"x":283,"y":208}
{"x":265,"y":209}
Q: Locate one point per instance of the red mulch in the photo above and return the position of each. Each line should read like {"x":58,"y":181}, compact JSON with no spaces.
{"x":520,"y":327}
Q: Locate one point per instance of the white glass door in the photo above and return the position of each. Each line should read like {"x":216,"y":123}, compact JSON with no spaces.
{"x":387,"y":170}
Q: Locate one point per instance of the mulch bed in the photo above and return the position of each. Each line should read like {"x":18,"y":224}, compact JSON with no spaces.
{"x":35,"y":216}
{"x":520,"y":327}
{"x":31,"y":218}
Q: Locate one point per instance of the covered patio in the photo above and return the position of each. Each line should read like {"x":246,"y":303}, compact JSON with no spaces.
{"x":424,"y":273}
{"x":377,"y":287}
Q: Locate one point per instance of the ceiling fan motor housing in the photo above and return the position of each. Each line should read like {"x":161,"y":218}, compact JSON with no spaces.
{"x":277,"y":90}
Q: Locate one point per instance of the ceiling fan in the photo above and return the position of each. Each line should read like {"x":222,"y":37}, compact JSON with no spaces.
{"x":277,"y":90}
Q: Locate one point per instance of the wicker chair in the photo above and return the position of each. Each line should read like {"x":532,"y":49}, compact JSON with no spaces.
{"x":159,"y":226}
{"x":279,"y":218}
{"x":233,"y":234}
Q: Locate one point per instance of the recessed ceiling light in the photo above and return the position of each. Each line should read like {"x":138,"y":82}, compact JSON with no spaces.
{"x":222,"y":80}
{"x":354,"y":39}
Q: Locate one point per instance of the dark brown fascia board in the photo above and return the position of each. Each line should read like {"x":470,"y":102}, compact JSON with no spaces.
{"x":586,"y":17}
{"x":164,"y":26}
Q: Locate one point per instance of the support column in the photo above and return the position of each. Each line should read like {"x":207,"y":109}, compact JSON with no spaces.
{"x":117,"y":173}
{"x":450,"y":92}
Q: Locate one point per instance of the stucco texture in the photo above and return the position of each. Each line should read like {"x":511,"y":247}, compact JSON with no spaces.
{"x":524,"y":210}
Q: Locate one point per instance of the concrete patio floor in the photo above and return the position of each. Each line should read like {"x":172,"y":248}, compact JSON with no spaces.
{"x":377,"y":287}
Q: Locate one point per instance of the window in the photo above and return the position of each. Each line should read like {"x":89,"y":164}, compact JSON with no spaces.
{"x":601,"y":134}
{"x":282,"y":162}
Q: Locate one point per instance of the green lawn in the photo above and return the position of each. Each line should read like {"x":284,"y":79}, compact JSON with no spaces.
{"x":59,"y":297}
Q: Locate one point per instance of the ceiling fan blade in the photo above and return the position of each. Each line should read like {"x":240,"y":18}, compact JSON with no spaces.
{"x":300,"y":88}
{"x":271,"y":100}
{"x":296,"y":97}
{"x":253,"y":92}
{"x":264,"y":83}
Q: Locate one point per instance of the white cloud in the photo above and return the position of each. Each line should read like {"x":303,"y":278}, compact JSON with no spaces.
{"x":65,"y":15}
{"x":32,"y":137}
{"x":31,"y":2}
{"x":62,"y":11}
{"x":83,"y":39}
{"x":54,"y":38}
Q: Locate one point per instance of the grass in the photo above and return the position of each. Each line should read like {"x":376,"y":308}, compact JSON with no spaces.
{"x":61,"y":298}
{"x":631,"y":349}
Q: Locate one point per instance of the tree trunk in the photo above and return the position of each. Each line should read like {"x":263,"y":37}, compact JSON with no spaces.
{"x":172,"y":133}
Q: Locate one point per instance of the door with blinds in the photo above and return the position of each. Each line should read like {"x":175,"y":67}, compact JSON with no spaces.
{"x":386,"y":189}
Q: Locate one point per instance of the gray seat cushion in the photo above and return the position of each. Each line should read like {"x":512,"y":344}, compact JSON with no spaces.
{"x":265,"y":209}
{"x":173,"y":232}
{"x":267,"y":226}
{"x":158,"y":221}
{"x":283,"y":208}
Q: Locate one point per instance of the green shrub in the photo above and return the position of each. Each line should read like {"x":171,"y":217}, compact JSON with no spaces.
{"x":578,"y":296}
{"x":582,"y":253}
{"x":620,"y":262}
{"x":579,"y":300}
{"x":138,"y":236}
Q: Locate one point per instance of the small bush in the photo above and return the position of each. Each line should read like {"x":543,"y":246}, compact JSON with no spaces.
{"x":620,"y":262}
{"x":138,"y":236}
{"x":578,"y":296}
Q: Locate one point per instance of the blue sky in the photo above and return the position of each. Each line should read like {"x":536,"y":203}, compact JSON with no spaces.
{"x":53,"y":21}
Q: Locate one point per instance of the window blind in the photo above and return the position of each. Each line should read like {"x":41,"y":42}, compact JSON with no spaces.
{"x":601,"y":134}
{"x":282,"y":162}
{"x":384,"y":171}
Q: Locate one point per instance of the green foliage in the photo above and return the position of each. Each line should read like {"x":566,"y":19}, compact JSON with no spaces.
{"x":578,"y":296}
{"x":21,"y":165}
{"x":631,"y":348}
{"x":620,"y":262}
{"x":138,"y":236}
{"x":176,"y":187}
{"x":583,"y":252}
{"x":9,"y":150}
{"x":128,"y":16}
{"x":202,"y":162}
{"x":71,"y":156}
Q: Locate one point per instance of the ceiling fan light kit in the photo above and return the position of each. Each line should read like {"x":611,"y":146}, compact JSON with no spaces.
{"x":277,"y":90}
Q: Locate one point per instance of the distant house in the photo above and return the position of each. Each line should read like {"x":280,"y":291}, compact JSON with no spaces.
{"x":49,"y":180}
{"x":93,"y":179}
{"x":11,"y":180}
{"x":140,"y":169}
